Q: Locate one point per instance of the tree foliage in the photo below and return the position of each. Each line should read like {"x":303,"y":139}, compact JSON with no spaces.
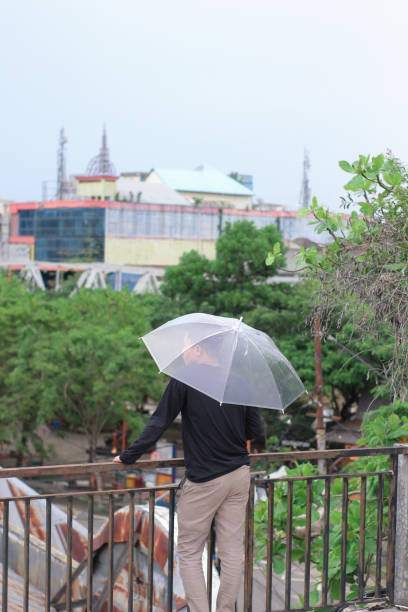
{"x":26,"y":320}
{"x":236,"y":284}
{"x":76,"y":358}
{"x":363,"y":273}
{"x":232,"y":283}
{"x":96,"y":364}
{"x":384,"y":427}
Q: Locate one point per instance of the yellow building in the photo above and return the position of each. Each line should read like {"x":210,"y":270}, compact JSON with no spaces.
{"x":96,"y":187}
{"x":157,"y":252}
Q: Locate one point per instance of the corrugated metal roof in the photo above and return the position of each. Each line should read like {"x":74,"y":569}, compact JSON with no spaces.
{"x":160,"y":554}
{"x":16,"y":594}
{"x":14,"y":487}
{"x":204,"y":179}
{"x":10,"y":487}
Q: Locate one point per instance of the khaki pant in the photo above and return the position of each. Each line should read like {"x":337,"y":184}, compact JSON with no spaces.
{"x":224,"y":498}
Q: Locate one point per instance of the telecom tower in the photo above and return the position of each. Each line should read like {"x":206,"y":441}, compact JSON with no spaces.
{"x":100,"y":165}
{"x":305,"y":192}
{"x":61,"y":172}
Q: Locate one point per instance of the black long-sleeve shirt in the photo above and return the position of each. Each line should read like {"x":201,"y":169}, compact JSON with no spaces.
{"x":214,"y":435}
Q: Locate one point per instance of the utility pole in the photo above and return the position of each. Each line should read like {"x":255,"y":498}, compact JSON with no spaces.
{"x":320,"y":427}
{"x":219,"y":226}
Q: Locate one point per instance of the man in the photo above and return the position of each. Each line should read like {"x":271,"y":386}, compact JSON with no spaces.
{"x":217,"y":476}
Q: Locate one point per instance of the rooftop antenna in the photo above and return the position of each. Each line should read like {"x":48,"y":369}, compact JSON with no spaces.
{"x":61,"y":174}
{"x":305,"y":192}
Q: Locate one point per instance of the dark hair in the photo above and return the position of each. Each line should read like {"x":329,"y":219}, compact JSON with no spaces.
{"x":214,"y":344}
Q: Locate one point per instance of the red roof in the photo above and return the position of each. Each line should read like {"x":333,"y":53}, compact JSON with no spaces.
{"x":22,"y":239}
{"x":16,"y":207}
{"x":102,"y":177}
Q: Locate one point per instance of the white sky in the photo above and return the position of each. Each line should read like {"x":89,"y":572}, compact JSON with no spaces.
{"x":244,"y":85}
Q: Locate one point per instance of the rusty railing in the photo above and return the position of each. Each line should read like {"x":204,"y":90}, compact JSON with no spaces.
{"x":53,"y":561}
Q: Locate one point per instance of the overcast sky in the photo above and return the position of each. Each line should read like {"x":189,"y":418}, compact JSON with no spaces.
{"x":244,"y":85}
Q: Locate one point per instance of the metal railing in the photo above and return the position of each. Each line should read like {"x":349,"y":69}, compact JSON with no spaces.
{"x":51,"y":561}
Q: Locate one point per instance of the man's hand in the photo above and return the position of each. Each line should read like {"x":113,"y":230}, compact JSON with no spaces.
{"x":117,"y":459}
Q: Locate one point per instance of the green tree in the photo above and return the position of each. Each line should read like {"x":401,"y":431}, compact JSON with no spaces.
{"x":78,"y":358}
{"x":188,"y":285}
{"x":344,"y":377}
{"x":239,"y":268}
{"x":363,"y":273}
{"x":383,"y":427}
{"x":230,"y":285}
{"x":96,"y":364}
{"x":236,"y":283}
{"x":26,"y":321}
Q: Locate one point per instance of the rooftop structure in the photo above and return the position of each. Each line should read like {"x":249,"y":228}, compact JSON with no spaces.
{"x":204,"y":185}
{"x":100,"y":165}
{"x":205,"y":178}
{"x":131,"y":188}
{"x":99,"y":182}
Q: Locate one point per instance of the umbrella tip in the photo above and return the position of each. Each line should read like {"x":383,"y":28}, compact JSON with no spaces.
{"x":238,"y":325}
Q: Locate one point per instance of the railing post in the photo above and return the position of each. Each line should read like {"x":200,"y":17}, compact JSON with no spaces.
{"x":401,"y":536}
{"x":249,"y":549}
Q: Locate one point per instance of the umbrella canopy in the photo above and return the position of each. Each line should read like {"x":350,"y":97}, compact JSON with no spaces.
{"x":225,"y":359}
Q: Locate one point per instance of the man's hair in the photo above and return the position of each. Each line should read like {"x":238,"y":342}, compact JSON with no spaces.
{"x":214,"y":345}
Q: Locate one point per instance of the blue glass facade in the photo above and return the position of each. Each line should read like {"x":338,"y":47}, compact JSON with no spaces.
{"x":63,"y":234}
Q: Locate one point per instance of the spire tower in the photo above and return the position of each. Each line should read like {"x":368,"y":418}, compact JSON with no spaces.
{"x":100,"y":165}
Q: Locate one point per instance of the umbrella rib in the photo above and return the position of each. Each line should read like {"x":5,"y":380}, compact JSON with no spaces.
{"x":232,"y":357}
{"x":263,"y":357}
{"x":151,"y":354}
{"x":284,"y":359}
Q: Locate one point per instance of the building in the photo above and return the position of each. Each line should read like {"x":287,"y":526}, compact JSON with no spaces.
{"x":131,"y":239}
{"x":4,"y":230}
{"x":96,"y":187}
{"x":205,"y":186}
{"x":132,"y":225}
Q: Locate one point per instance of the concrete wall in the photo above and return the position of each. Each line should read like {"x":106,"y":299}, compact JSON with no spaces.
{"x":153,"y":251}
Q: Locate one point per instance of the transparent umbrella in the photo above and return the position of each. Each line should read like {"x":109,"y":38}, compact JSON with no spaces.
{"x":225,"y":359}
